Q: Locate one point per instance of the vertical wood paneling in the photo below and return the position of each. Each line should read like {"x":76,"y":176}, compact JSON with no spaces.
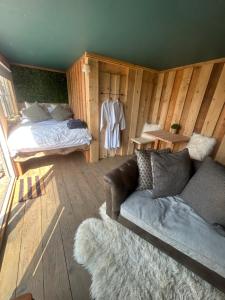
{"x":215,"y":75}
{"x":145,"y":98}
{"x":112,"y":86}
{"x":197,"y":98}
{"x":104,"y":92}
{"x":92,"y":94}
{"x":181,"y":96}
{"x":166,"y":98}
{"x":176,"y":87}
{"x":220,"y":156}
{"x":127,"y":109}
{"x":219,"y":131}
{"x":135,"y":107}
{"x":115,"y":86}
{"x":193,"y":96}
{"x":157,"y":97}
{"x":76,"y":90}
{"x":216,"y":106}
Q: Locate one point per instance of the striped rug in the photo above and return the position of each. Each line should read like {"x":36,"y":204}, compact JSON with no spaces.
{"x":29,"y":187}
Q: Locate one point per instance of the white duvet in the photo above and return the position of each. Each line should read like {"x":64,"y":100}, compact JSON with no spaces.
{"x":46,"y":135}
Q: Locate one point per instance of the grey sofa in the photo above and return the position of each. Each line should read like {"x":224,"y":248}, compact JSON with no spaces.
{"x":168,"y":223}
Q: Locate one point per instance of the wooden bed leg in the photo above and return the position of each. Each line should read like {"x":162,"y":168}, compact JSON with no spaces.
{"x":18,"y":169}
{"x":87,"y":156}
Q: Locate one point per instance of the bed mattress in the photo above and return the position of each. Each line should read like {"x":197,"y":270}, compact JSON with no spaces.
{"x":47,"y":135}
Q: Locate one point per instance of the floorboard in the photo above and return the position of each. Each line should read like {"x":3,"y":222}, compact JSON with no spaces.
{"x":37,"y":254}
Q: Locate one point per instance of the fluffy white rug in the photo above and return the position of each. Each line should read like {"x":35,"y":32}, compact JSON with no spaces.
{"x":124,"y":266}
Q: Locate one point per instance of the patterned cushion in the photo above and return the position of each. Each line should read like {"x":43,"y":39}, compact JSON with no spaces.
{"x":145,"y":180}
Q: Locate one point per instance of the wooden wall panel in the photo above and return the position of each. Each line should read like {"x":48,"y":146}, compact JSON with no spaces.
{"x":193,"y":96}
{"x":174,"y":95}
{"x":220,"y":155}
{"x":127,"y":109}
{"x":166,"y":98}
{"x":195,"y":102}
{"x":181,"y":96}
{"x":214,"y":77}
{"x":215,"y":107}
{"x":104,"y":92}
{"x":92,"y":103}
{"x":130,"y":86}
{"x":145,"y":100}
{"x":112,"y":83}
{"x":157,"y":97}
{"x":76,"y":90}
{"x":134,"y":109}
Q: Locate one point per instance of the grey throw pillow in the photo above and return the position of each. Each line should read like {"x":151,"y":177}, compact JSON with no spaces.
{"x":145,"y":168}
{"x":36,"y":113}
{"x":170,"y":172}
{"x":205,"y":192}
{"x":61,"y":113}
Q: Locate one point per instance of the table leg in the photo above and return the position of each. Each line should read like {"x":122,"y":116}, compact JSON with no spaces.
{"x":156,"y":145}
{"x":170,"y":145}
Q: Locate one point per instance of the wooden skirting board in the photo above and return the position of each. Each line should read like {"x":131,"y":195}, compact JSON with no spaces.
{"x":193,"y":96}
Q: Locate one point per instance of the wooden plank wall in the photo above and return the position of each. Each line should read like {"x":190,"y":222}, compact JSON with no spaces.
{"x":110,"y":79}
{"x":194,"y":97}
{"x":76,"y":89}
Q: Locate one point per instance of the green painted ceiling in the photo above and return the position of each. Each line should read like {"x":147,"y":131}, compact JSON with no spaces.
{"x":156,"y":33}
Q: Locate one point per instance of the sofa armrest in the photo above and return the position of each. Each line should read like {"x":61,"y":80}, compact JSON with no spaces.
{"x":119,"y":184}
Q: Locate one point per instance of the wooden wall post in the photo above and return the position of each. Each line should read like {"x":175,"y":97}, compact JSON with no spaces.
{"x":92,"y":102}
{"x":135,"y":108}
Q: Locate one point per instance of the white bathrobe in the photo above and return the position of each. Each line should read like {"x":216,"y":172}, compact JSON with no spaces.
{"x":112,"y":117}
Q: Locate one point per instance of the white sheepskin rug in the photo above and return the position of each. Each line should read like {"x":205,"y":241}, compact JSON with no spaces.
{"x":124,"y":266}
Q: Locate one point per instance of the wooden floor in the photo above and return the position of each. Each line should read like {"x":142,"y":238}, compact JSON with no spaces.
{"x":37,"y":255}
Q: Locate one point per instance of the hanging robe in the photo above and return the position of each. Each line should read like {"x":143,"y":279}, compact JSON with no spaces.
{"x":112,"y":117}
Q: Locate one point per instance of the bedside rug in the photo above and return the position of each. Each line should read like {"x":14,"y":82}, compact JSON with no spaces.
{"x":124,"y":266}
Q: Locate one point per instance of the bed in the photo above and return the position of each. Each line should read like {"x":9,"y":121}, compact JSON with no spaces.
{"x":30,"y":140}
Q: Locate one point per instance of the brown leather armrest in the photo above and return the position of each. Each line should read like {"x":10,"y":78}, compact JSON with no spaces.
{"x":119,"y":184}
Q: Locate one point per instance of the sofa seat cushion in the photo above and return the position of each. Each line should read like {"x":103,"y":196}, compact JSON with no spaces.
{"x":175,"y":222}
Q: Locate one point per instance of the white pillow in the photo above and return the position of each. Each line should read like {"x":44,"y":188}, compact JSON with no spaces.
{"x":53,"y":106}
{"x":46,"y":105}
{"x":27,"y":104}
{"x":200,"y":146}
{"x":149,"y":127}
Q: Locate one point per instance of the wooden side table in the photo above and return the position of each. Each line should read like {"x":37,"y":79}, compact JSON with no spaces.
{"x":168,"y":137}
{"x":141,"y":142}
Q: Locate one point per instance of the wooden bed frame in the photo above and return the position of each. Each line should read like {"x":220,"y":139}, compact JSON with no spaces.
{"x":21,"y":158}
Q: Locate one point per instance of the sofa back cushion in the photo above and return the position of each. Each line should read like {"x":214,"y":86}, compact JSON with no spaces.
{"x":205,"y":192}
{"x":170,"y":172}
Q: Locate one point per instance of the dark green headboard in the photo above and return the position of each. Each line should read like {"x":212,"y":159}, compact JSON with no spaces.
{"x":39,"y":85}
